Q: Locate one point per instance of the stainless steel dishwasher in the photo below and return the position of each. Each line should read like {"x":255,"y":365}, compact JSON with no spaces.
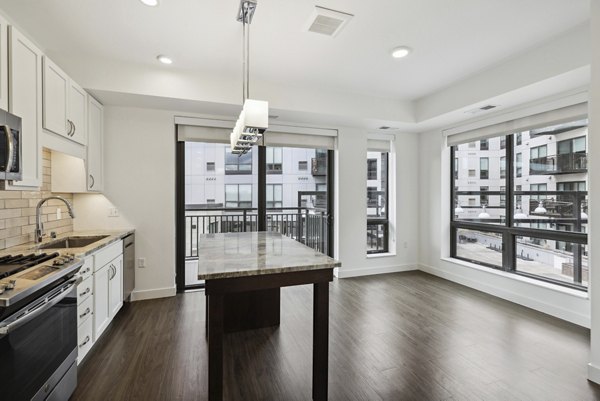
{"x":128,"y":266}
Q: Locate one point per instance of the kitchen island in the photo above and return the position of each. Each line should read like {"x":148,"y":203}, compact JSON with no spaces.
{"x":244,"y":273}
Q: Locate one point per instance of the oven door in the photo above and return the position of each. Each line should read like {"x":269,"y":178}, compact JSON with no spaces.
{"x":36,"y":341}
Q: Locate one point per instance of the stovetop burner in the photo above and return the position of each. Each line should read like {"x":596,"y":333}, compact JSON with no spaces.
{"x":12,"y":264}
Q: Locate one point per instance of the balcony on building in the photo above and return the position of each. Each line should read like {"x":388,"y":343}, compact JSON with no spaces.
{"x":567,"y":163}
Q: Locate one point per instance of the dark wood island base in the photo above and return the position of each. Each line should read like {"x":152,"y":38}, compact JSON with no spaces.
{"x":261,"y":294}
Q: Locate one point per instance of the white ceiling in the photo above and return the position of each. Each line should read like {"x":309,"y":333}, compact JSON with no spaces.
{"x":452,"y":39}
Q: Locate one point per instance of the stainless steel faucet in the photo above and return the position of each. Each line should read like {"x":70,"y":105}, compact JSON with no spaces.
{"x":39,"y":227}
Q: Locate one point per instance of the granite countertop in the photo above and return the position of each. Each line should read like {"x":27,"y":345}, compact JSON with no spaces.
{"x":255,"y":253}
{"x":111,"y":237}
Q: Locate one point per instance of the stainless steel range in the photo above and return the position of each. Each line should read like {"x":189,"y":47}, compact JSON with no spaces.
{"x":38,"y":326}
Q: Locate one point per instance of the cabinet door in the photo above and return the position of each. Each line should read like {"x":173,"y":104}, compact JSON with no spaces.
{"x":77,"y":113}
{"x":25,"y":100}
{"x":3,"y":64}
{"x":95,"y":148}
{"x":101,"y":301}
{"x":115,"y":289}
{"x":55,"y":93}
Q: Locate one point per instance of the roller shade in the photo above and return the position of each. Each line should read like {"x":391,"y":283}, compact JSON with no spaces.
{"x":217,"y":131}
{"x":539,"y":120}
{"x":378,"y":145}
{"x":189,"y":133}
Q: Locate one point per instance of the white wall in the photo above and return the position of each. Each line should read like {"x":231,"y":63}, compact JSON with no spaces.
{"x":434,"y":200}
{"x":594,"y":191}
{"x":352,"y":203}
{"x":139,"y":176}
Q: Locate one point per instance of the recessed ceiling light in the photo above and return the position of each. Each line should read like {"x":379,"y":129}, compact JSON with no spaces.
{"x":151,"y":3}
{"x":164,"y":59}
{"x":401,"y":51}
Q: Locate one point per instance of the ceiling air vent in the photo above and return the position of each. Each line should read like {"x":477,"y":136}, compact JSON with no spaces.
{"x":481,"y":109}
{"x":327,"y":22}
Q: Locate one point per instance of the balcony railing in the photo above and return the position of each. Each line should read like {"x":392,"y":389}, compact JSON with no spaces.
{"x":306,"y":225}
{"x":558,"y":164}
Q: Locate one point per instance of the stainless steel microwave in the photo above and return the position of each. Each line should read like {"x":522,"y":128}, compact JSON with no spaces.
{"x":10,"y":147}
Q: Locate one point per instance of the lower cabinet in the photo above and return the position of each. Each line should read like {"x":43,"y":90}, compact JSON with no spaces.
{"x":100,"y":295}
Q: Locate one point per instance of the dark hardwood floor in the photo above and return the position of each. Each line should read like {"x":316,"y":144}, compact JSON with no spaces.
{"x":406,"y":336}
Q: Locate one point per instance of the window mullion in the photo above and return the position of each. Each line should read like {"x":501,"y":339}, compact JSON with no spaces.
{"x":509,"y":249}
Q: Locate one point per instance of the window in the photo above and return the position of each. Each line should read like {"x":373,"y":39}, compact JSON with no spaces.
{"x":456,"y":167}
{"x":519,"y":198}
{"x":484,"y":144}
{"x":210,"y":201}
{"x":544,"y":235}
{"x":274,"y":160}
{"x":238,"y":164}
{"x":483,"y":198}
{"x":321,"y":187}
{"x":377,"y":200}
{"x":472,"y":145}
{"x":371,"y":169}
{"x":503,"y":143}
{"x":484,"y":167}
{"x":472,"y":173}
{"x":303,"y":165}
{"x":238,"y":195}
{"x":274,"y":196}
{"x":210,"y":166}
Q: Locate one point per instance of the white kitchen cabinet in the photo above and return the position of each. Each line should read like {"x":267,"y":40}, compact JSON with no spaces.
{"x":64,"y":104}
{"x":3,"y":64}
{"x":56,"y":88}
{"x":25,"y":101}
{"x":102,"y":311}
{"x":95,"y":146}
{"x":77,"y":112}
{"x":108,"y":286}
{"x":115,"y":286}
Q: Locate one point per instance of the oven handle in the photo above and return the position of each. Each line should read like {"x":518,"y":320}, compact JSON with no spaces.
{"x":48,"y":303}
{"x":10,"y":148}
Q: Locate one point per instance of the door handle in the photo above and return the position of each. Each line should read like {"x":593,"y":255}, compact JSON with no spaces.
{"x":93,"y":181}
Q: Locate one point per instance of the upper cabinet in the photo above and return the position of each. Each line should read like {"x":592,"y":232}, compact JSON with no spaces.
{"x":3,"y":64}
{"x":64,"y":104}
{"x":25,"y":101}
{"x":95,"y":148}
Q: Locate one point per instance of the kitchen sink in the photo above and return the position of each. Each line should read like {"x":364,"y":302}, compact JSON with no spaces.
{"x":73,"y":242}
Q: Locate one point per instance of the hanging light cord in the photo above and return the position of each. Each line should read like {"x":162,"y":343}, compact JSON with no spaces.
{"x":245,"y":51}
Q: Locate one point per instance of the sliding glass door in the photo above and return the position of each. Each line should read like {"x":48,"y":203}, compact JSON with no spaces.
{"x":287,"y":190}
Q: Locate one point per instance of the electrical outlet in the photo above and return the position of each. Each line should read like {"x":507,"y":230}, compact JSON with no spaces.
{"x":141,"y":263}
{"x":113,"y":212}
{"x":58,"y":213}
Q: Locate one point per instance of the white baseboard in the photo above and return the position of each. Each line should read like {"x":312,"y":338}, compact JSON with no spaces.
{"x":153,"y":293}
{"x":367,"y":271}
{"x":593,"y":373}
{"x":521,"y":299}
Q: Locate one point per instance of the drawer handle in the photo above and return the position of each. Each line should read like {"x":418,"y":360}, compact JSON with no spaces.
{"x":87,"y":291}
{"x":87,"y":311}
{"x":87,"y":340}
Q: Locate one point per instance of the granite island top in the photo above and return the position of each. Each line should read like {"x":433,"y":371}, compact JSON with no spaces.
{"x":255,"y":253}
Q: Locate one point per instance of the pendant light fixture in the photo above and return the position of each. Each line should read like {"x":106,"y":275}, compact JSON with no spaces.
{"x":254,"y":118}
{"x":540,"y":209}
{"x":484,"y":214}
{"x":519,"y":215}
